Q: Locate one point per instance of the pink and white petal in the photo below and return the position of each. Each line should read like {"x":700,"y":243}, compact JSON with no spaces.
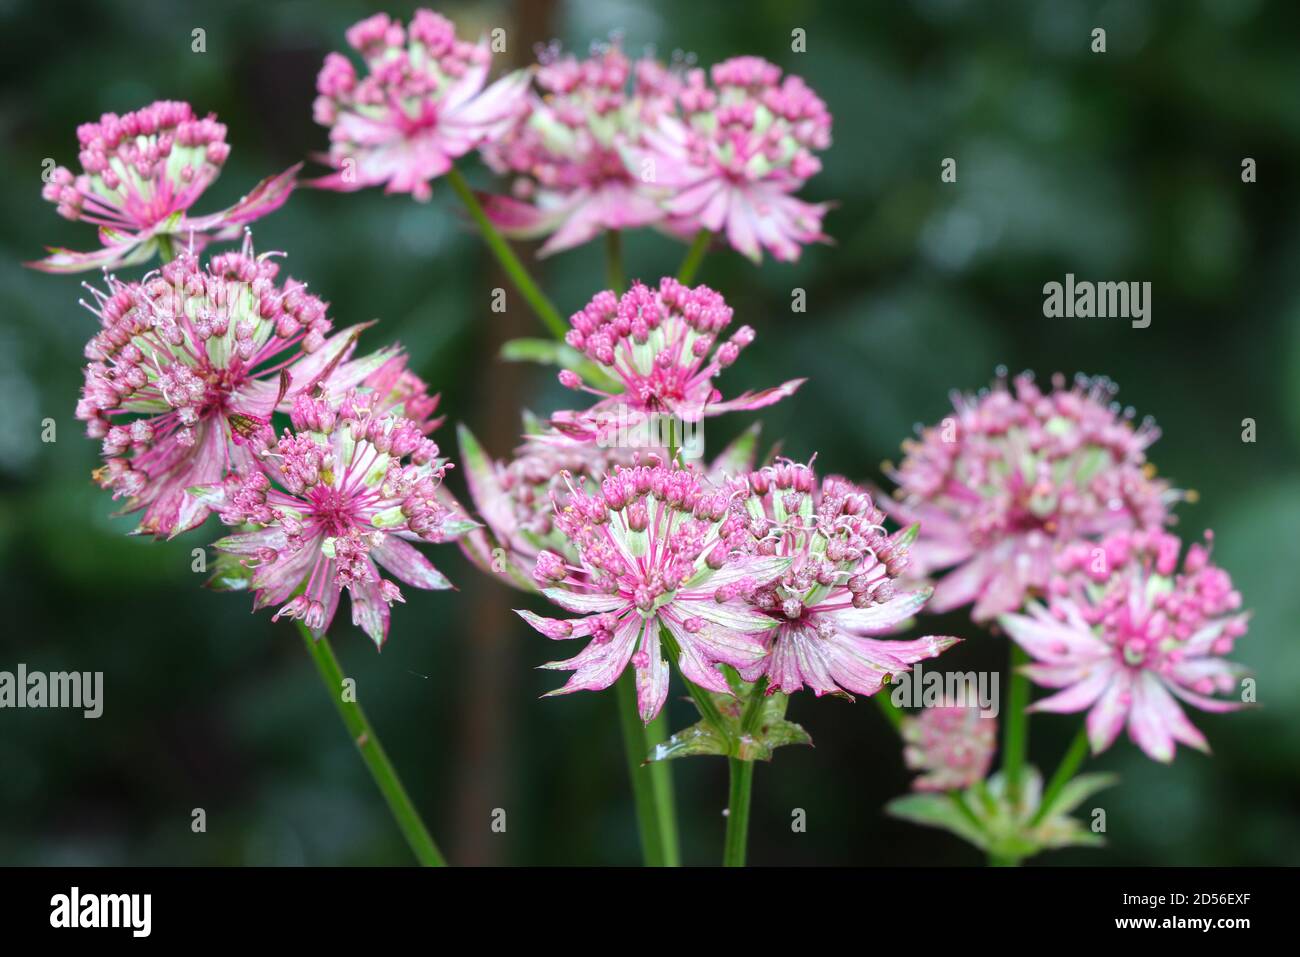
{"x":1082,"y":694}
{"x":761,"y":569}
{"x":1053,"y":641}
{"x":879,"y":619}
{"x":1058,"y":676}
{"x":1206,"y":703}
{"x":695,"y":663}
{"x":1175,"y":720}
{"x":275,"y":582}
{"x":118,"y":256}
{"x":1146,"y":722}
{"x":1004,"y":591}
{"x":861,"y":664}
{"x":557,"y":629}
{"x":370,"y":612}
{"x":264,"y":198}
{"x":755,"y":400}
{"x":799,"y":656}
{"x":408,"y":563}
{"x":520,"y":220}
{"x":585,"y":603}
{"x":961,"y":586}
{"x":1107,"y":717}
{"x":732,"y":615}
{"x":598,"y":665}
{"x":652,"y":678}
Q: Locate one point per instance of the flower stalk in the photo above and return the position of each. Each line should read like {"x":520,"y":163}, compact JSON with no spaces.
{"x":372,"y":752}
{"x":523,"y":282}
{"x":694,"y":256}
{"x":1075,"y":755}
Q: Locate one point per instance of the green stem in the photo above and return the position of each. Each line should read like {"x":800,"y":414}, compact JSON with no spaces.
{"x":694,"y":256}
{"x":661,"y":776}
{"x":742,"y":785}
{"x":741,"y":777}
{"x":1015,"y":741}
{"x":372,"y":752}
{"x":1074,"y":756}
{"x":893,"y":714}
{"x":614,"y":261}
{"x":549,"y":315}
{"x":655,"y":814}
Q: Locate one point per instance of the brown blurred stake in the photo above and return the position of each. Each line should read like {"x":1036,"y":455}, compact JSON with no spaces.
{"x":487,"y":709}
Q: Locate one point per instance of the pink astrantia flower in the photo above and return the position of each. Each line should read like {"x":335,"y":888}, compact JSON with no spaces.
{"x":421,"y":104}
{"x":838,"y":589}
{"x":655,"y":545}
{"x":572,"y":181}
{"x":1125,"y":631}
{"x":1014,"y":475}
{"x":517,"y":498}
{"x":738,"y":151}
{"x":331,"y":503}
{"x":141,"y":173}
{"x":189,"y":362}
{"x":662,"y":346}
{"x":951,"y":745}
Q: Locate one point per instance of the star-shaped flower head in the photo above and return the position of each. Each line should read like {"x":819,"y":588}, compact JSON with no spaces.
{"x":193,"y":359}
{"x":420,"y":105}
{"x":1126,"y":633}
{"x":1014,"y":475}
{"x":572,"y":181}
{"x":332,"y":502}
{"x":839,"y":587}
{"x":141,"y":173}
{"x":740,"y":148}
{"x":660,"y":552}
{"x":665,"y":347}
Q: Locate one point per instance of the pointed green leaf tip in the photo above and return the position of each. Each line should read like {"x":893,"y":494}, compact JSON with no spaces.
{"x":767,"y":729}
{"x":550,"y":353}
{"x":983,"y":815}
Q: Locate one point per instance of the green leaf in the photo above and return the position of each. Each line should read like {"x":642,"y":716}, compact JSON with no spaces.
{"x":751,"y":729}
{"x":938,"y":810}
{"x":549,"y":352}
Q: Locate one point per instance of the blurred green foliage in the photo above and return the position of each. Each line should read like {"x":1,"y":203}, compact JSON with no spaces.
{"x":1122,"y":166}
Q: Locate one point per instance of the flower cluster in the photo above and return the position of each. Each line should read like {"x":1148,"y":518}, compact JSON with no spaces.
{"x":951,"y":745}
{"x":739,"y":148}
{"x":838,"y":588}
{"x":193,"y":359}
{"x":661,"y":557}
{"x":342,"y":494}
{"x":141,"y":173}
{"x":421,"y":104}
{"x":1125,"y":631}
{"x":572,"y":181}
{"x":663,"y":347}
{"x":1016,"y":474}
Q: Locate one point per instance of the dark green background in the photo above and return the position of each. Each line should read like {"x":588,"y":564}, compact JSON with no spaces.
{"x":1123,"y":166}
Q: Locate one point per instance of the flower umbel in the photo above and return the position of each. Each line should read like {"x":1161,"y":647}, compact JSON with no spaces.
{"x":838,"y":587}
{"x":1015,"y":475}
{"x":517,"y":497}
{"x":335,"y":500}
{"x":572,"y":181}
{"x":951,"y":745}
{"x":1126,"y":631}
{"x":739,"y":149}
{"x":658,"y":549}
{"x":141,"y":173}
{"x":421,"y":104}
{"x":663,"y":346}
{"x":189,"y":363}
